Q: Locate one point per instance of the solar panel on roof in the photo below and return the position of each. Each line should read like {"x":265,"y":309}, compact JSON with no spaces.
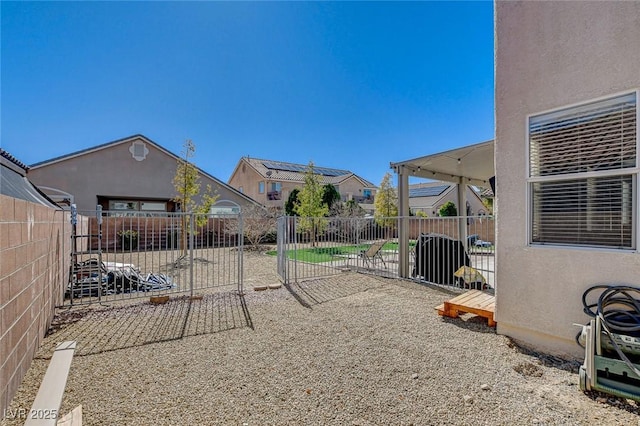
{"x":429,"y":191}
{"x":288,"y":167}
{"x":274,"y":165}
{"x":330,"y":172}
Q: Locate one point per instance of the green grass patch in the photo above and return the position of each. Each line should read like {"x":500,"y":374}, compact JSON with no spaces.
{"x":328,"y":254}
{"x":323,"y":254}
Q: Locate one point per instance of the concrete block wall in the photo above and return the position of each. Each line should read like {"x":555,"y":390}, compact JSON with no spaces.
{"x":34,"y":262}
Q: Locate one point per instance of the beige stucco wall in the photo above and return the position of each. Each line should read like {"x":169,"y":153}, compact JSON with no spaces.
{"x":247,"y":178}
{"x":425,"y":204}
{"x":352,"y":187}
{"x":548,"y":55}
{"x":113,"y":172}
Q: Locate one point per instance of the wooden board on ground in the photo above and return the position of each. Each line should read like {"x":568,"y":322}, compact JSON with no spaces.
{"x":473,"y":302}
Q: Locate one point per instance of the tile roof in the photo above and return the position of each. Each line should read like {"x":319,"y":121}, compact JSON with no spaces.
{"x":14,"y":182}
{"x":294,"y":172}
{"x":4,"y":154}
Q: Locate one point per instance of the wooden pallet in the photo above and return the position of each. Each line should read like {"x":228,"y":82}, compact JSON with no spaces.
{"x":473,"y":302}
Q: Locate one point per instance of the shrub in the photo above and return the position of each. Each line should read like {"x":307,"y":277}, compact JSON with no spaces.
{"x":128,"y":239}
{"x":448,"y":209}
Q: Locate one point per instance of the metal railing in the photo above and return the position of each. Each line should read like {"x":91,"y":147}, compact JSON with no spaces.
{"x":315,"y":247}
{"x":123,"y":256}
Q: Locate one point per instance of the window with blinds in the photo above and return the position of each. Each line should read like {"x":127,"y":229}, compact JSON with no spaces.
{"x":583,"y":173}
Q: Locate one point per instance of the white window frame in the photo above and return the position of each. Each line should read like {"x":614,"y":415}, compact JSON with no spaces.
{"x":634,"y":172}
{"x":261,"y":187}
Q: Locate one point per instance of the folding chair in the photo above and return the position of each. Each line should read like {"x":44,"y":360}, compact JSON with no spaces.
{"x":373,"y":253}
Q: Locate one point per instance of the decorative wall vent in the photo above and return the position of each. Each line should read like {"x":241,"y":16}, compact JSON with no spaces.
{"x":138,"y":150}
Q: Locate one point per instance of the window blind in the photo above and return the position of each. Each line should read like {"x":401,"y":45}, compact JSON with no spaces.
{"x":594,"y":137}
{"x":582,"y":173}
{"x":589,"y":212}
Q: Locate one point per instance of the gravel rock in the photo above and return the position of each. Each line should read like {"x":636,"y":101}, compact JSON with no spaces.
{"x":336,"y":350}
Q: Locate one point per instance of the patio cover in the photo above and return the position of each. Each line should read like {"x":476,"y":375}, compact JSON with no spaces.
{"x":469,"y":165}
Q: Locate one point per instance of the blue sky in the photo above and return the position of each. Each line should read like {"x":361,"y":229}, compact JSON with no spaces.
{"x":352,"y":85}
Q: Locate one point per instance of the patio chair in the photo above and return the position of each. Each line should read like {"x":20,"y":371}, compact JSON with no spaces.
{"x":373,"y":253}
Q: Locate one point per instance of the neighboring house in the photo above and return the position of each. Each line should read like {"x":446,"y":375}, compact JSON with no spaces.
{"x":14,"y":182}
{"x":567,"y":165}
{"x":431,"y":196}
{"x":270,"y":182}
{"x":487,"y":196}
{"x":130,"y":174}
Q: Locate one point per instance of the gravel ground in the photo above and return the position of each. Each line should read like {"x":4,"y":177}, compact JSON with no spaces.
{"x":350,"y":349}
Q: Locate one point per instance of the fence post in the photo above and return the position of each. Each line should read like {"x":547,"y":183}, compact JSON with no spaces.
{"x":240,"y":253}
{"x":191,"y":219}
{"x":99,"y":225}
{"x":295,"y":248}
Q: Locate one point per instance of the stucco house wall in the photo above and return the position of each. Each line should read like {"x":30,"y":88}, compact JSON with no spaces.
{"x":431,"y":205}
{"x":245,"y":180}
{"x":112,"y":171}
{"x":353,"y":188}
{"x":549,"y":55}
{"x":249,"y":172}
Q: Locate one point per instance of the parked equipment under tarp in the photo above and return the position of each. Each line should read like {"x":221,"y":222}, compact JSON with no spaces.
{"x":438,"y":257}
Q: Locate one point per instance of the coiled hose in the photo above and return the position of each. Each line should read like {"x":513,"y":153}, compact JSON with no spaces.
{"x":618,"y":308}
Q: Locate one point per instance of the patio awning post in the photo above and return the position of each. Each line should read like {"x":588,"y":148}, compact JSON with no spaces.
{"x":403,"y":225}
{"x":462,"y":212}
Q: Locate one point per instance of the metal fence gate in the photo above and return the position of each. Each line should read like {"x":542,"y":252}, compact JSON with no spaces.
{"x":316,"y":247}
{"x":118,"y":255}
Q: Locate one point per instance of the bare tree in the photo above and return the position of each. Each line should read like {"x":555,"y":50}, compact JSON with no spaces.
{"x":350,"y":223}
{"x":258,"y":223}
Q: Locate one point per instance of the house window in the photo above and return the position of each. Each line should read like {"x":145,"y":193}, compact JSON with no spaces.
{"x":224,"y":210}
{"x":261,"y":187}
{"x":135,"y":205}
{"x":583,"y":174}
{"x":366,"y":193}
{"x":155,"y":206}
{"x":275,"y":191}
{"x":123,"y":205}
